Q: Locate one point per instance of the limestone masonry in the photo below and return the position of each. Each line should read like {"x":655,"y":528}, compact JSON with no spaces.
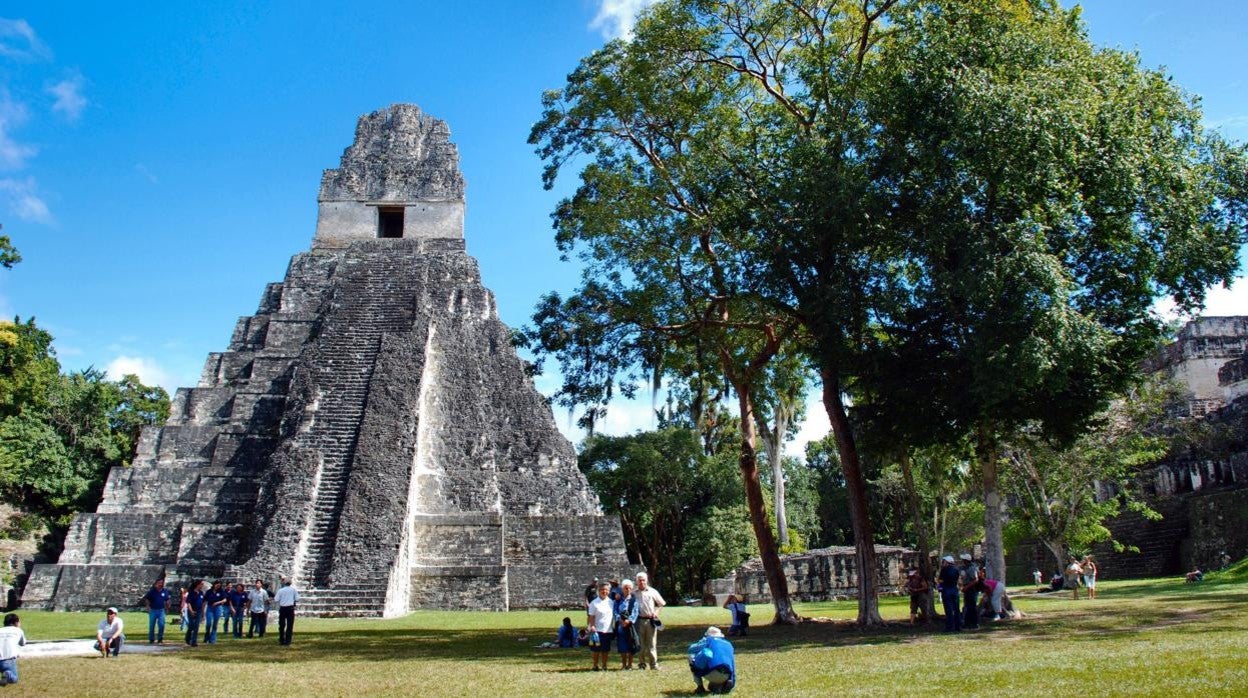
{"x":370,"y":429}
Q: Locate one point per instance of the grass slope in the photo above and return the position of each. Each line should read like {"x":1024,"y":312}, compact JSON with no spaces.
{"x":1140,"y":638}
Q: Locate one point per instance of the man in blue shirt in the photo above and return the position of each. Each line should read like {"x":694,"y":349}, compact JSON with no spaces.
{"x":238,"y":607}
{"x":713,"y":659}
{"x":948,"y":578}
{"x":156,"y":601}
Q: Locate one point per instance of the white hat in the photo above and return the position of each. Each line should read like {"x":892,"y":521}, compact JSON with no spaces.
{"x":947,"y":558}
{"x":965,"y":556}
{"x":111,"y":609}
{"x":714,"y":632}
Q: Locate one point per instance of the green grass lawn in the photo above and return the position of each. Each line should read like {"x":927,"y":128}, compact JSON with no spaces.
{"x":1158,"y":637}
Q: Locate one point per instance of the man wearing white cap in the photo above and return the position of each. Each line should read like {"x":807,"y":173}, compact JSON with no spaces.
{"x":108,"y":636}
{"x":713,"y":659}
{"x":948,"y":579}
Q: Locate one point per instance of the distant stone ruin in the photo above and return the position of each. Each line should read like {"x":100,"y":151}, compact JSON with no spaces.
{"x":370,"y":430}
{"x":822,"y":574}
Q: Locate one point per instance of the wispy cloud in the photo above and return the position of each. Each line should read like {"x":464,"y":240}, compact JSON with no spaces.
{"x":13,"y":155}
{"x":616,"y":18}
{"x":19,"y":41}
{"x":147,"y":174}
{"x":22,"y":198}
{"x":146,"y":368}
{"x":69,"y":100}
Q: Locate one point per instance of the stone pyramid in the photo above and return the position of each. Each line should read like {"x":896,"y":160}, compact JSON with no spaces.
{"x":370,"y":430}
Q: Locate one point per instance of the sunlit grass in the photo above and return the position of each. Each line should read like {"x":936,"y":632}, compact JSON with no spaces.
{"x":1138,"y":638}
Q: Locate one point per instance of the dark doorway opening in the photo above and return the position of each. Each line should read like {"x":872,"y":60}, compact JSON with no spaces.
{"x":390,"y":221}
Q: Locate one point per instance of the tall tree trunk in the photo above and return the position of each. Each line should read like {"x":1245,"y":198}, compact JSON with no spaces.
{"x":856,"y":487}
{"x":920,"y":530}
{"x":773,"y":447}
{"x":1058,"y":550}
{"x":767,"y":550}
{"x":994,"y":540}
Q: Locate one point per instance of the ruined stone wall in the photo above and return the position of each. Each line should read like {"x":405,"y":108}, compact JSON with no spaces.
{"x":824,"y":574}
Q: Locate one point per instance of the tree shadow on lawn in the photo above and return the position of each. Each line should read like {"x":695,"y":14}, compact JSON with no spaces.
{"x":1121,"y":616}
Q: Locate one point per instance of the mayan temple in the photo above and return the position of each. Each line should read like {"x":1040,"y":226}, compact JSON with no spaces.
{"x":370,"y":429}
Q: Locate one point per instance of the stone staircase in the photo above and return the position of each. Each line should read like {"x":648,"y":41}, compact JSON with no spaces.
{"x":346,"y":601}
{"x":350,"y":343}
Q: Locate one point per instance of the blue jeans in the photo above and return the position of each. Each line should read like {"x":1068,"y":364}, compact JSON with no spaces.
{"x":156,"y":625}
{"x":953,"y":616}
{"x":211,"y":615}
{"x":238,"y":622}
{"x":970,"y":609}
{"x":192,"y":627}
{"x":8,"y":670}
{"x":224,"y":614}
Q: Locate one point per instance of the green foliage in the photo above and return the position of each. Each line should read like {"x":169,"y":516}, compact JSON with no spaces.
{"x":8,"y":253}
{"x":61,"y":433}
{"x":1065,"y":494}
{"x":683,"y":511}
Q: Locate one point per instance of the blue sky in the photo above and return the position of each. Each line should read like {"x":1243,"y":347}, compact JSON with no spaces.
{"x":160,"y":164}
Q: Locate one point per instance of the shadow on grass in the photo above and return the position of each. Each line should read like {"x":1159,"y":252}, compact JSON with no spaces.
{"x":1130,"y":609}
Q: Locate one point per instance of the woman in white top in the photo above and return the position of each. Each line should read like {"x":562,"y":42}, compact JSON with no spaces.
{"x":601,"y":614}
{"x":1089,"y":576}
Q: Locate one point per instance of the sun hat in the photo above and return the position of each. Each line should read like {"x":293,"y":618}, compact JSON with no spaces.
{"x":947,"y":558}
{"x":965,"y":556}
{"x":714,"y":632}
{"x":111,"y":609}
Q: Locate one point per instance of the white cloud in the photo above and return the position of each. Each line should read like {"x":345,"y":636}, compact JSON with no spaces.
{"x":145,"y":368}
{"x":13,"y":155}
{"x":814,"y":428}
{"x":20,"y":196}
{"x":615,"y":18}
{"x":69,"y":99}
{"x":18,"y":40}
{"x":1218,"y":301}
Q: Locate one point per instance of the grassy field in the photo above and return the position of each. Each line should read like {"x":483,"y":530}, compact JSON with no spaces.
{"x":1139,"y":638}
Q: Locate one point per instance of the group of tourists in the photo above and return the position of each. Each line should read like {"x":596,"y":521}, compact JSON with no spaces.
{"x":960,"y":583}
{"x":624,"y":618}
{"x":208,"y":605}
{"x":619,"y":615}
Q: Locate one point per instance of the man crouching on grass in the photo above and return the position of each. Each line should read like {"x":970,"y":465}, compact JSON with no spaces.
{"x":108,"y":637}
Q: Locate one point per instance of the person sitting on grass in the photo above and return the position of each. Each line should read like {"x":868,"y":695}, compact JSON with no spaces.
{"x":740,"y":616}
{"x":567,"y":634}
{"x":713,"y":659}
{"x":1195,"y":575}
{"x":11,"y":639}
{"x":108,"y":636}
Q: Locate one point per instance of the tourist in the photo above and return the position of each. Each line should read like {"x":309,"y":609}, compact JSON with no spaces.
{"x":1073,"y":573}
{"x":713,"y":659}
{"x":108,"y":635}
{"x":238,"y":608}
{"x":1089,"y":575}
{"x":156,"y":601}
{"x":286,"y":599}
{"x":195,"y":611}
{"x":11,"y":638}
{"x":258,"y":601}
{"x":948,"y":579}
{"x":996,"y":592}
{"x":214,"y":609}
{"x":626,"y":637}
{"x":740,"y":617}
{"x":649,"y":603}
{"x":615,"y":591}
{"x":567,"y":634}
{"x":1195,"y":576}
{"x":182,"y":609}
{"x":970,"y":592}
{"x":1036,"y":575}
{"x":920,"y":592}
{"x":601,"y":621}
